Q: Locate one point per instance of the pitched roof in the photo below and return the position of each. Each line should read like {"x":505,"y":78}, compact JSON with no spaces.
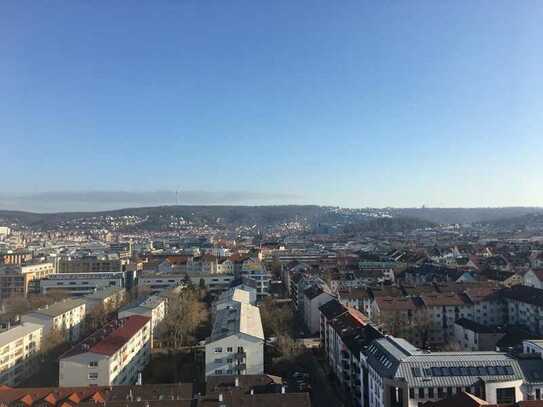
{"x":332,"y":309}
{"x":522,"y":293}
{"x":118,"y":338}
{"x":462,"y":399}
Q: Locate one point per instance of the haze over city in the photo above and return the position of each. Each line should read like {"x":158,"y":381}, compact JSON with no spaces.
{"x":358,"y":104}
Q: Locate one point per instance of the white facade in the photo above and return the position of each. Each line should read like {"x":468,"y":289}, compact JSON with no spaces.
{"x":236,"y":344}
{"x":114,"y":359}
{"x":19,"y":347}
{"x":312,"y":302}
{"x":256,"y":271}
{"x":65,"y":316}
{"x":77,"y":284}
{"x":532,"y":279}
{"x":153,"y":307}
{"x":404,"y":376}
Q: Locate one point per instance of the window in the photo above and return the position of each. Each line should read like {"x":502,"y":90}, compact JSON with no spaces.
{"x":421,"y":392}
{"x":229,"y":349}
{"x":538,"y":394}
{"x":218,"y":360}
{"x":506,"y":395}
{"x":218,"y":371}
{"x":411,"y":393}
{"x":93,"y":363}
{"x":430,"y":392}
{"x":93,"y":376}
{"x":218,"y":350}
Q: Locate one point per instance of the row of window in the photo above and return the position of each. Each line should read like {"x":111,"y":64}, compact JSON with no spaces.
{"x":229,"y":349}
{"x":441,"y":392}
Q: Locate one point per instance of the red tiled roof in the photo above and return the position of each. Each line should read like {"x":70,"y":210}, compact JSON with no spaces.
{"x":442,"y":299}
{"x":395,"y":304}
{"x":119,"y":337}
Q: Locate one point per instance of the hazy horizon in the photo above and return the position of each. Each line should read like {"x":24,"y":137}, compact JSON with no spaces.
{"x":97,"y":201}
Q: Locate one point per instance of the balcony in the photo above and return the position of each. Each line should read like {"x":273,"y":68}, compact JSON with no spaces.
{"x":240,"y":356}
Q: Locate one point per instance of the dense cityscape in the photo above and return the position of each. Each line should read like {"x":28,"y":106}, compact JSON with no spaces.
{"x":306,"y":307}
{"x":271,"y":203}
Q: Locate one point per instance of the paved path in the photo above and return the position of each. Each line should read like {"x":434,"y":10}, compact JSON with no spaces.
{"x":323,"y":393}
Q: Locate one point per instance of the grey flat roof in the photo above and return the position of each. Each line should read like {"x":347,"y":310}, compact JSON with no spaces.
{"x":59,"y":308}
{"x":17,"y":332}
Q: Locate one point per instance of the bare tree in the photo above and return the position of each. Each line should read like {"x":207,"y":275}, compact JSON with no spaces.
{"x":16,"y":305}
{"x":186,"y":313}
{"x":96,"y":317}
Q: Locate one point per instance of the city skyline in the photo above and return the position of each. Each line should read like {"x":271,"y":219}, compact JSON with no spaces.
{"x":358,"y":105}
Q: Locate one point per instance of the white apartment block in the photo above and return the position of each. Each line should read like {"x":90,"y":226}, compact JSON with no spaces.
{"x":400,"y":375}
{"x":78,"y":284}
{"x":156,"y":282}
{"x":235,"y":294}
{"x":255,"y":270}
{"x":114,"y":355}
{"x":236,"y":344}
{"x":65,"y":316}
{"x":110,"y":298}
{"x":314,"y":297}
{"x":19,"y":347}
{"x":153,"y":306}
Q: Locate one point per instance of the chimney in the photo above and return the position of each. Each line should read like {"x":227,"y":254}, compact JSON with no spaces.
{"x":237,"y":382}
{"x":220,"y":398}
{"x":252,"y":392}
{"x":140,"y":379}
{"x":283,"y":389}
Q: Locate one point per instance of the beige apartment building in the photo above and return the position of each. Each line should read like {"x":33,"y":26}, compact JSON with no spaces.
{"x":20,"y":280}
{"x":65,"y":316}
{"x":114,"y":355}
{"x":19,"y":347}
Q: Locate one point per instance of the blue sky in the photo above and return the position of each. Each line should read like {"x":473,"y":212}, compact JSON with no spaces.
{"x":350,"y":103}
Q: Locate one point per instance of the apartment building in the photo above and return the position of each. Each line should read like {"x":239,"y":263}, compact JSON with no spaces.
{"x":400,"y":375}
{"x":20,"y":280}
{"x":110,"y":298}
{"x":79,"y":284}
{"x":19,"y":347}
{"x":104,"y":263}
{"x":236,"y":344}
{"x":234,"y":294}
{"x":314,"y":297}
{"x":156,"y":282}
{"x":258,"y":390}
{"x":472,"y":336}
{"x":16,"y":257}
{"x":345,"y":334}
{"x":255,"y":270}
{"x":114,"y":355}
{"x":66,"y":316}
{"x":152,"y":306}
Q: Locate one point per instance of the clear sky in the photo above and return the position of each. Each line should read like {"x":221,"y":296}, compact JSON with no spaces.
{"x":351,"y":103}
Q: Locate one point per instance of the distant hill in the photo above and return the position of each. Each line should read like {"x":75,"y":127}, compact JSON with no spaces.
{"x":518,"y":222}
{"x":465,"y":215}
{"x":156,"y":218}
{"x":388,"y":225}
